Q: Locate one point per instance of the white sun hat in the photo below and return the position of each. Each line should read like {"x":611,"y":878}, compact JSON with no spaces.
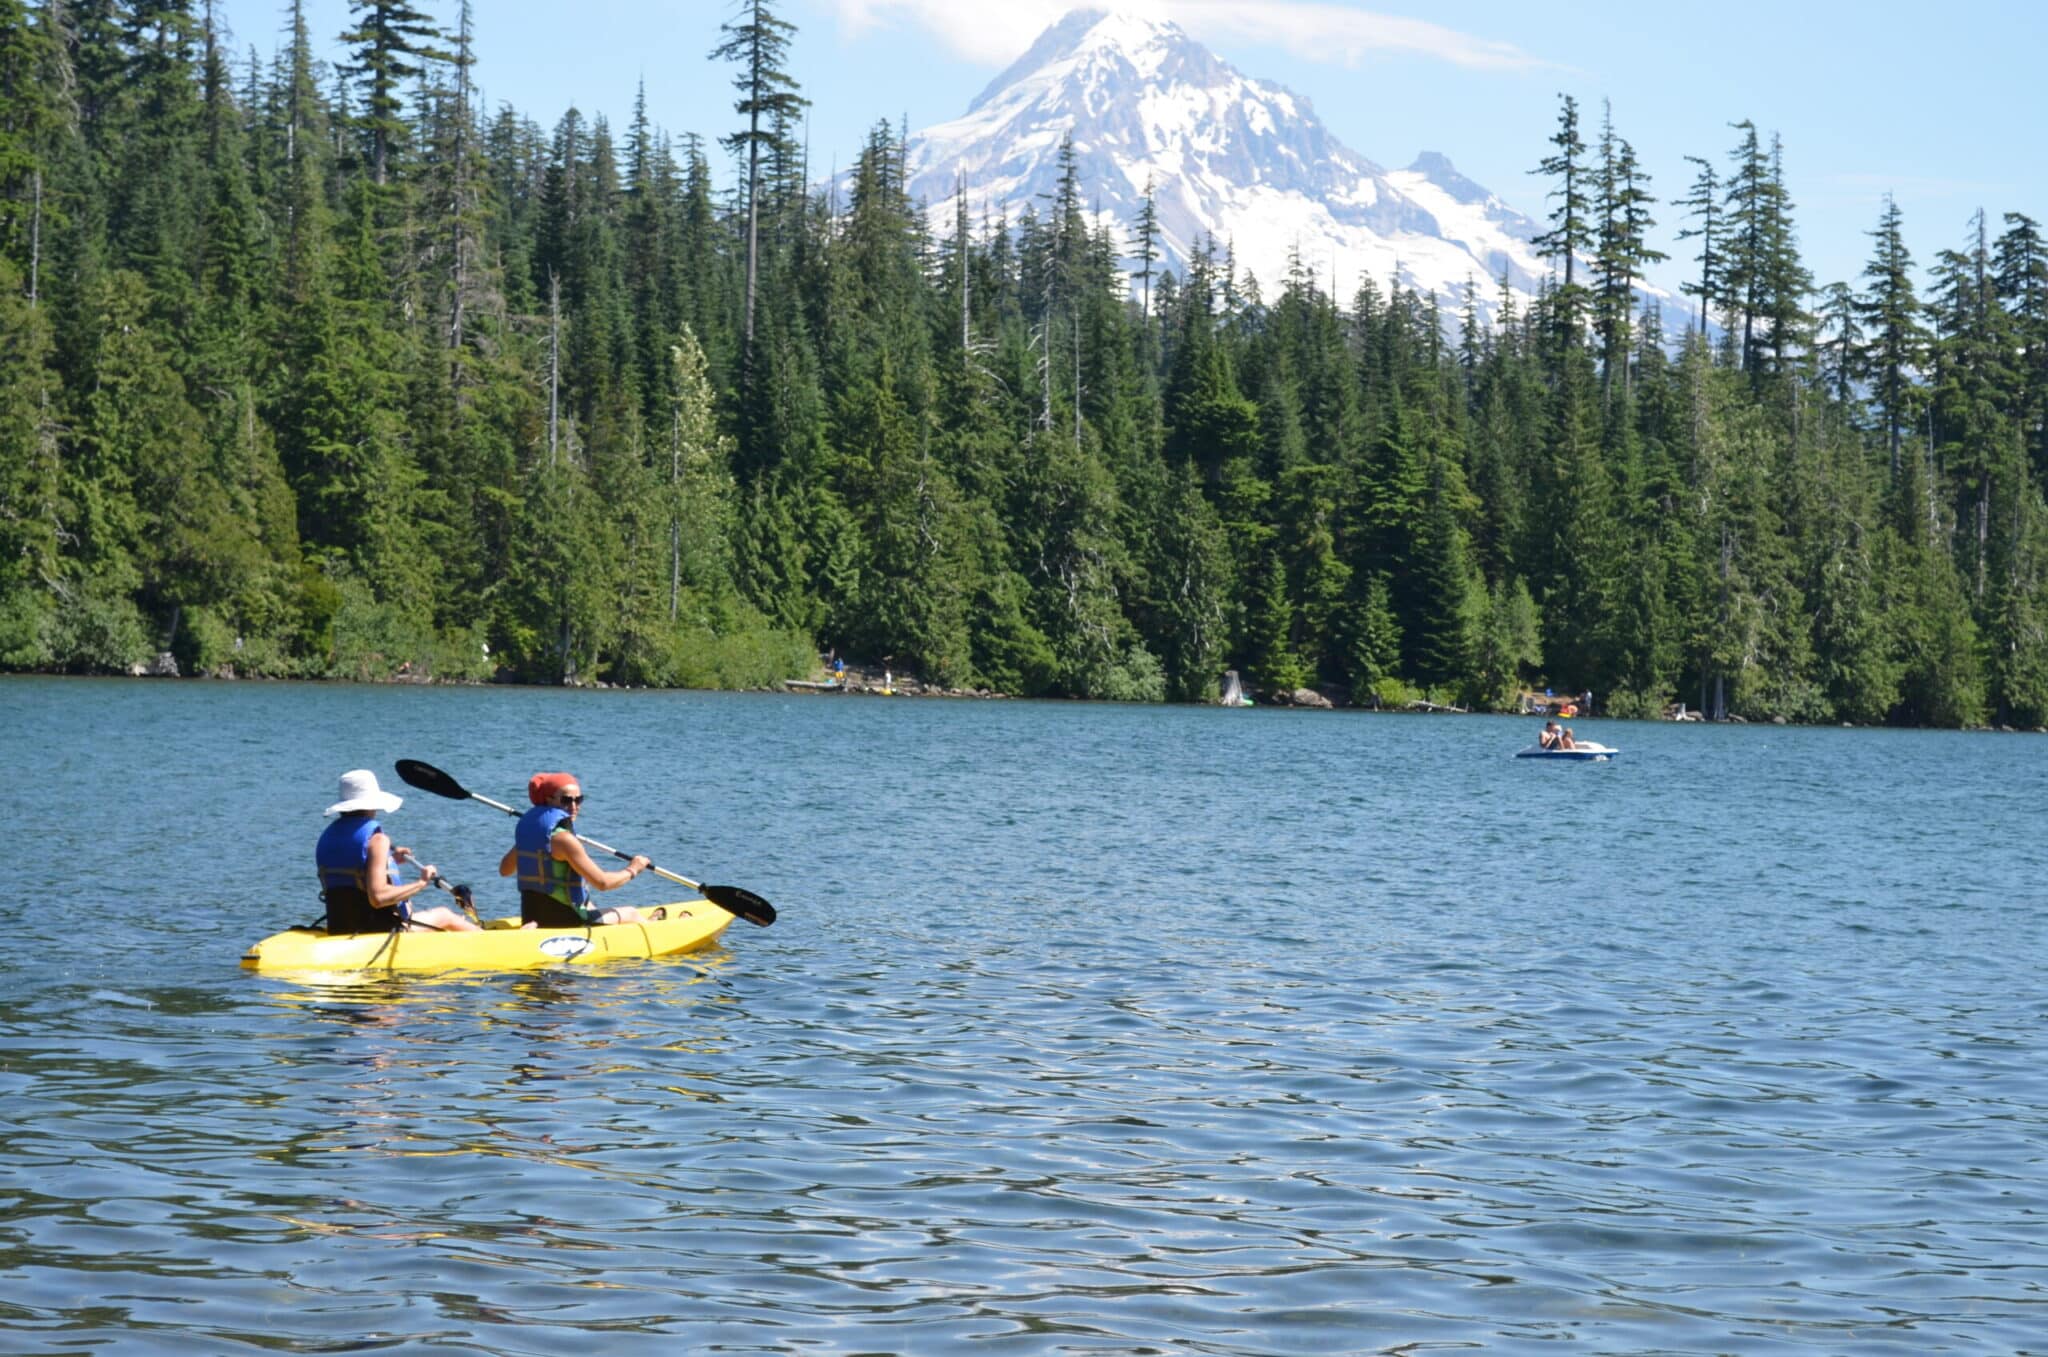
{"x":359,"y":791}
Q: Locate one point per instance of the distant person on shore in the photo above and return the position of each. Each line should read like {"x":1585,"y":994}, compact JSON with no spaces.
{"x":555,"y":872}
{"x":355,"y":859}
{"x":1549,"y":738}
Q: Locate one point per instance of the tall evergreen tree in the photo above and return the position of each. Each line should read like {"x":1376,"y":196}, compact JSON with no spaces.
{"x":1571,"y":220}
{"x":1703,"y":206}
{"x":392,"y":43}
{"x":1891,"y":314}
{"x":758,"y":42}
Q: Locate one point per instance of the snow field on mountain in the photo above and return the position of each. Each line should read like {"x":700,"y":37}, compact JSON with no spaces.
{"x":1239,"y":161}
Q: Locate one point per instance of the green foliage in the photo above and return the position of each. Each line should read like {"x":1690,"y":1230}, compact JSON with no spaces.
{"x":1509,"y":647}
{"x":1388,"y":692}
{"x":758,"y":657}
{"x":1136,"y":676}
{"x":204,"y":644}
{"x":1189,"y":583}
{"x":26,"y":622}
{"x":1943,"y":682}
{"x":1373,"y":636}
{"x":377,"y":387}
{"x":375,"y":639}
{"x":96,"y":629}
{"x":1011,"y":654}
{"x":1627,"y":704}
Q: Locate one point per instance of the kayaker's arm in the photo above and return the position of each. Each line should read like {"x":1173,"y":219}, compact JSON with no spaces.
{"x":568,"y":848}
{"x":383,"y":894}
{"x":509,"y":863}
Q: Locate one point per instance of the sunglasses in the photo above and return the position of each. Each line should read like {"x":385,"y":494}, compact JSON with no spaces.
{"x":572,"y":800}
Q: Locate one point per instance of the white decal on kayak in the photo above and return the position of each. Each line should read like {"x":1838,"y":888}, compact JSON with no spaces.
{"x":565,"y":949}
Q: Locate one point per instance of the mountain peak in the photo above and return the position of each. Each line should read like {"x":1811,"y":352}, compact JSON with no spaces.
{"x":1437,"y":168}
{"x":1136,"y":103}
{"x":1122,"y":36}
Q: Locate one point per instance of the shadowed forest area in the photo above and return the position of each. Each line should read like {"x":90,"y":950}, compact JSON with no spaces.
{"x":328,"y":371}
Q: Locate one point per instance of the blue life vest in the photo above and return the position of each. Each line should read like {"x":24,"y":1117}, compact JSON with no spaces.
{"x":343,"y":858}
{"x":343,"y":855}
{"x":540,"y":871}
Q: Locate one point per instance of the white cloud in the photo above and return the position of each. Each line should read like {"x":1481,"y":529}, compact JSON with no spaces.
{"x":1316,"y":30}
{"x":995,"y":32}
{"x":991,"y":34}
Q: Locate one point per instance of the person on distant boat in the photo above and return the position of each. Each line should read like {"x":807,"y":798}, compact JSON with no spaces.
{"x":555,"y":872}
{"x":355,"y":859}
{"x":1549,"y":738}
{"x":1565,"y":740}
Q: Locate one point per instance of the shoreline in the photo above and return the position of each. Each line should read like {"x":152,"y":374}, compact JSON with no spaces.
{"x":863,"y":685}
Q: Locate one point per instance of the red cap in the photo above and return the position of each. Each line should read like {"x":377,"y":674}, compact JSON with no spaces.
{"x":542,"y":788}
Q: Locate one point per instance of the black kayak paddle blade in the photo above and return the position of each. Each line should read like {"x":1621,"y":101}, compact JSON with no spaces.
{"x":428,"y":778}
{"x":741,"y":901}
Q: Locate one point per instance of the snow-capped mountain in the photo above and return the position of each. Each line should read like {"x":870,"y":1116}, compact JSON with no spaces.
{"x":1242,"y":160}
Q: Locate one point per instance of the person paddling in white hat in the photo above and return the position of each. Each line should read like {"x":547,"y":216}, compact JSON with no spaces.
{"x":357,"y":880}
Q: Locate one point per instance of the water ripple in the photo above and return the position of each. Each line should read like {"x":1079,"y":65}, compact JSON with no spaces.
{"x":1086,"y":1030}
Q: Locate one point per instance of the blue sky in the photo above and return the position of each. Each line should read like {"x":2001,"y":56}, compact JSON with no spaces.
{"x":1945,"y":107}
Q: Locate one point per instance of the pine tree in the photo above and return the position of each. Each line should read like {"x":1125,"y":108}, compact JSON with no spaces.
{"x":1890,"y":312}
{"x":1189,"y":584}
{"x":1144,"y":246}
{"x":759,"y":44}
{"x":699,"y":484}
{"x":1571,"y":221}
{"x":1507,"y":646}
{"x":1703,"y":206}
{"x":2021,"y":261}
{"x":1785,"y":283}
{"x":1840,"y":346}
{"x":31,"y":114}
{"x":32,"y":510}
{"x":1440,"y":641}
{"x":1749,"y":203}
{"x":392,"y":43}
{"x":1623,"y":253}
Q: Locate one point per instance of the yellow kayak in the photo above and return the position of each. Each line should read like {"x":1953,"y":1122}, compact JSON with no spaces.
{"x":502,"y":945}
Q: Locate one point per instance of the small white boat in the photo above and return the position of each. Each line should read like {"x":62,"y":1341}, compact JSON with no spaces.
{"x":1585,"y":751}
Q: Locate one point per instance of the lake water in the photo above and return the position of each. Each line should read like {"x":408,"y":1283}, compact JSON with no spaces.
{"x":1085,"y":1029}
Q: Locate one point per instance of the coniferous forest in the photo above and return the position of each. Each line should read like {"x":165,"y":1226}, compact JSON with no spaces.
{"x":329,"y":371}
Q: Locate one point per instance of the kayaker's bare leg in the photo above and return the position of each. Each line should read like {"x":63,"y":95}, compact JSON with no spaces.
{"x":441,"y":920}
{"x":621,"y":914}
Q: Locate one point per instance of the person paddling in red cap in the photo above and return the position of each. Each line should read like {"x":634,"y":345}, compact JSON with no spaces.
{"x":555,"y":872}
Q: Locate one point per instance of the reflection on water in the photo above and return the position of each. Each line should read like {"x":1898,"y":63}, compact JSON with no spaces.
{"x":1084,"y":1030}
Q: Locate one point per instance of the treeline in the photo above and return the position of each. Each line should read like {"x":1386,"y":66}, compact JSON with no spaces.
{"x":330,"y":371}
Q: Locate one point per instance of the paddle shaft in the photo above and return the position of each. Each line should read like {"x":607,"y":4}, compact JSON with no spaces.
{"x":462,"y":898}
{"x":461,"y":894}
